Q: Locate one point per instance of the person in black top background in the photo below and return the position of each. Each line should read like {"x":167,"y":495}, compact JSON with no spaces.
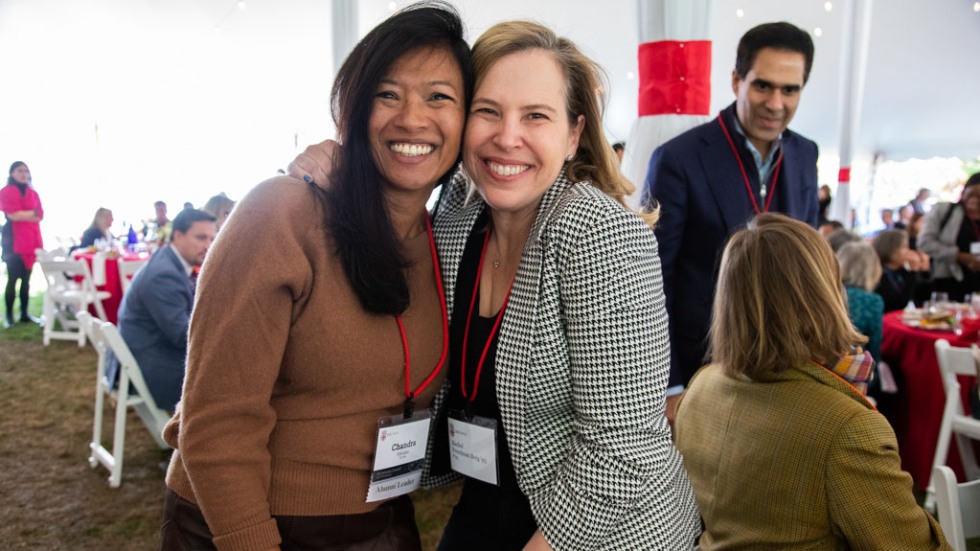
{"x":905,"y":273}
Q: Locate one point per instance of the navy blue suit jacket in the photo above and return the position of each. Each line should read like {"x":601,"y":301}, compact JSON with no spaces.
{"x":153,"y":320}
{"x":697,"y":183}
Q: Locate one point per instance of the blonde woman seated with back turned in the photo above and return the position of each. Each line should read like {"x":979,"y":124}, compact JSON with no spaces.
{"x":782,"y":448}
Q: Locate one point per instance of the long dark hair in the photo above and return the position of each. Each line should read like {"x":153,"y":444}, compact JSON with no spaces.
{"x":10,"y":173}
{"x":356,"y":212}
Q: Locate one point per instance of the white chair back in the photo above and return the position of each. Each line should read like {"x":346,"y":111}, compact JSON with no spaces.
{"x":127,"y":271}
{"x":66,"y":297}
{"x":103,"y":388}
{"x":953,"y":362}
{"x":132,"y":392}
{"x":66,"y":243}
{"x":959,"y":507}
{"x":54,"y":254}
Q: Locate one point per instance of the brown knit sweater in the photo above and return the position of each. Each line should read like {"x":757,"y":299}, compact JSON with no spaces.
{"x":287,"y":375}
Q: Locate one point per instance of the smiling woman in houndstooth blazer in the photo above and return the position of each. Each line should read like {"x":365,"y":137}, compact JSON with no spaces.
{"x":558,"y":333}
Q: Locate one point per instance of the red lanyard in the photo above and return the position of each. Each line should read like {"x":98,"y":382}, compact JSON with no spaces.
{"x":409,"y":394}
{"x":466,"y":334}
{"x":745,"y":177}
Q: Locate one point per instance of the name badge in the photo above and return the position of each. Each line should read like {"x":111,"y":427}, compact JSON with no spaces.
{"x":399,"y":455}
{"x":473,"y":447}
{"x":975,"y":248}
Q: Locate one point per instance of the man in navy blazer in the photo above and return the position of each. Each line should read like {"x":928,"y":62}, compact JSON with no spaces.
{"x":711,"y":180}
{"x":155,"y":312}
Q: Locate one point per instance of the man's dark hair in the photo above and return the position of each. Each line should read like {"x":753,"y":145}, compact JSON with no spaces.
{"x":355,"y":208}
{"x":619,"y":146}
{"x":778,"y":36}
{"x":187,"y":218}
{"x":159,"y":204}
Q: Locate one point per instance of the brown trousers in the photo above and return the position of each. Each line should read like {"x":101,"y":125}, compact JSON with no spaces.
{"x":390,"y":527}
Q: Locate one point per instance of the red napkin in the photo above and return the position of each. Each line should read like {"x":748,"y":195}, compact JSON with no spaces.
{"x":971,"y":328}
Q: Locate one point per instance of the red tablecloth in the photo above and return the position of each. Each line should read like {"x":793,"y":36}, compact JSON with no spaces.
{"x":112,"y":282}
{"x":912,"y":353}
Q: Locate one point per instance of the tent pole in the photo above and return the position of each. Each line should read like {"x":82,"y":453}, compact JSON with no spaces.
{"x":854,"y":53}
{"x":674,"y":59}
{"x":344,"y":30}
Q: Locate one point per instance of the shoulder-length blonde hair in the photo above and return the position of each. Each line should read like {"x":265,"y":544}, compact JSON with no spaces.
{"x":101,"y":213}
{"x":779,"y":302}
{"x":220,"y":207}
{"x":585,"y":85}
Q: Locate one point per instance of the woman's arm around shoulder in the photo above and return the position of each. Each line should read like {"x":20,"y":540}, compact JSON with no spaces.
{"x":315,"y":163}
{"x":254,"y":279}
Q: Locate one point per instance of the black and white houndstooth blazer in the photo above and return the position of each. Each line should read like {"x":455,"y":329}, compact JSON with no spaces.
{"x":582,"y":364}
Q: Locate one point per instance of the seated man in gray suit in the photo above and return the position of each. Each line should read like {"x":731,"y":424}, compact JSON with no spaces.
{"x":155,"y":312}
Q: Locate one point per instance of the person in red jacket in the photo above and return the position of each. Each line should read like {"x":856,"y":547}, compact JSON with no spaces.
{"x":21,"y":236}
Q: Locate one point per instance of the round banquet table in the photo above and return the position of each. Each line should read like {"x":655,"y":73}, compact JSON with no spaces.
{"x":112,"y":283}
{"x":911,"y":353}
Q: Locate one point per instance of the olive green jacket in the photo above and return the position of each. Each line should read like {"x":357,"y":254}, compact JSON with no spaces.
{"x":799,"y":460}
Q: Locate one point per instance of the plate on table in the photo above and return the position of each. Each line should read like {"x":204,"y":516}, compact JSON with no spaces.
{"x":928,"y":325}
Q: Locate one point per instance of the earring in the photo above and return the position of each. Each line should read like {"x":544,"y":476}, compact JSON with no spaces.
{"x":569,"y":158}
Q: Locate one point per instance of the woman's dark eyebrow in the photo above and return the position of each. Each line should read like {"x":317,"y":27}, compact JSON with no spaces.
{"x":430,"y":83}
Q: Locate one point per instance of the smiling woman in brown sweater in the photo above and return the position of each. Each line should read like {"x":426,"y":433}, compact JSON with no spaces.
{"x":314,"y":307}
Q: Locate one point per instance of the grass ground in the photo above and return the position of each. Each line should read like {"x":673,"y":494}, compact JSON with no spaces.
{"x":52,"y":498}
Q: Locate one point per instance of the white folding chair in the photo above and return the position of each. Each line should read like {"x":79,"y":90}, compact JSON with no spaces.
{"x":65,"y":298}
{"x":131,"y":392}
{"x":955,"y":361}
{"x":103,"y":387}
{"x":54,"y":254}
{"x":959,"y":507}
{"x":127,"y":270}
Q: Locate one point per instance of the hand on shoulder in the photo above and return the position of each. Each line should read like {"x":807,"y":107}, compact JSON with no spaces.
{"x":315,"y":163}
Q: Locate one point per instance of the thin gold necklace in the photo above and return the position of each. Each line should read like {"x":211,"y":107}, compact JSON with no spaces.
{"x":496,"y":247}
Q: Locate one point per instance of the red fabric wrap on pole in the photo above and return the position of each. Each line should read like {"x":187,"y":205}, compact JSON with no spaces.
{"x":675,"y":77}
{"x":844,"y":176}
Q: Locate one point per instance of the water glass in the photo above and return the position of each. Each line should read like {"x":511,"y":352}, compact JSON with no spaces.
{"x":938,"y":301}
{"x":973,"y":300}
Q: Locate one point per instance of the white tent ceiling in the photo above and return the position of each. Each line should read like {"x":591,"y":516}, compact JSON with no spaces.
{"x":180,"y":99}
{"x":922,"y":79}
